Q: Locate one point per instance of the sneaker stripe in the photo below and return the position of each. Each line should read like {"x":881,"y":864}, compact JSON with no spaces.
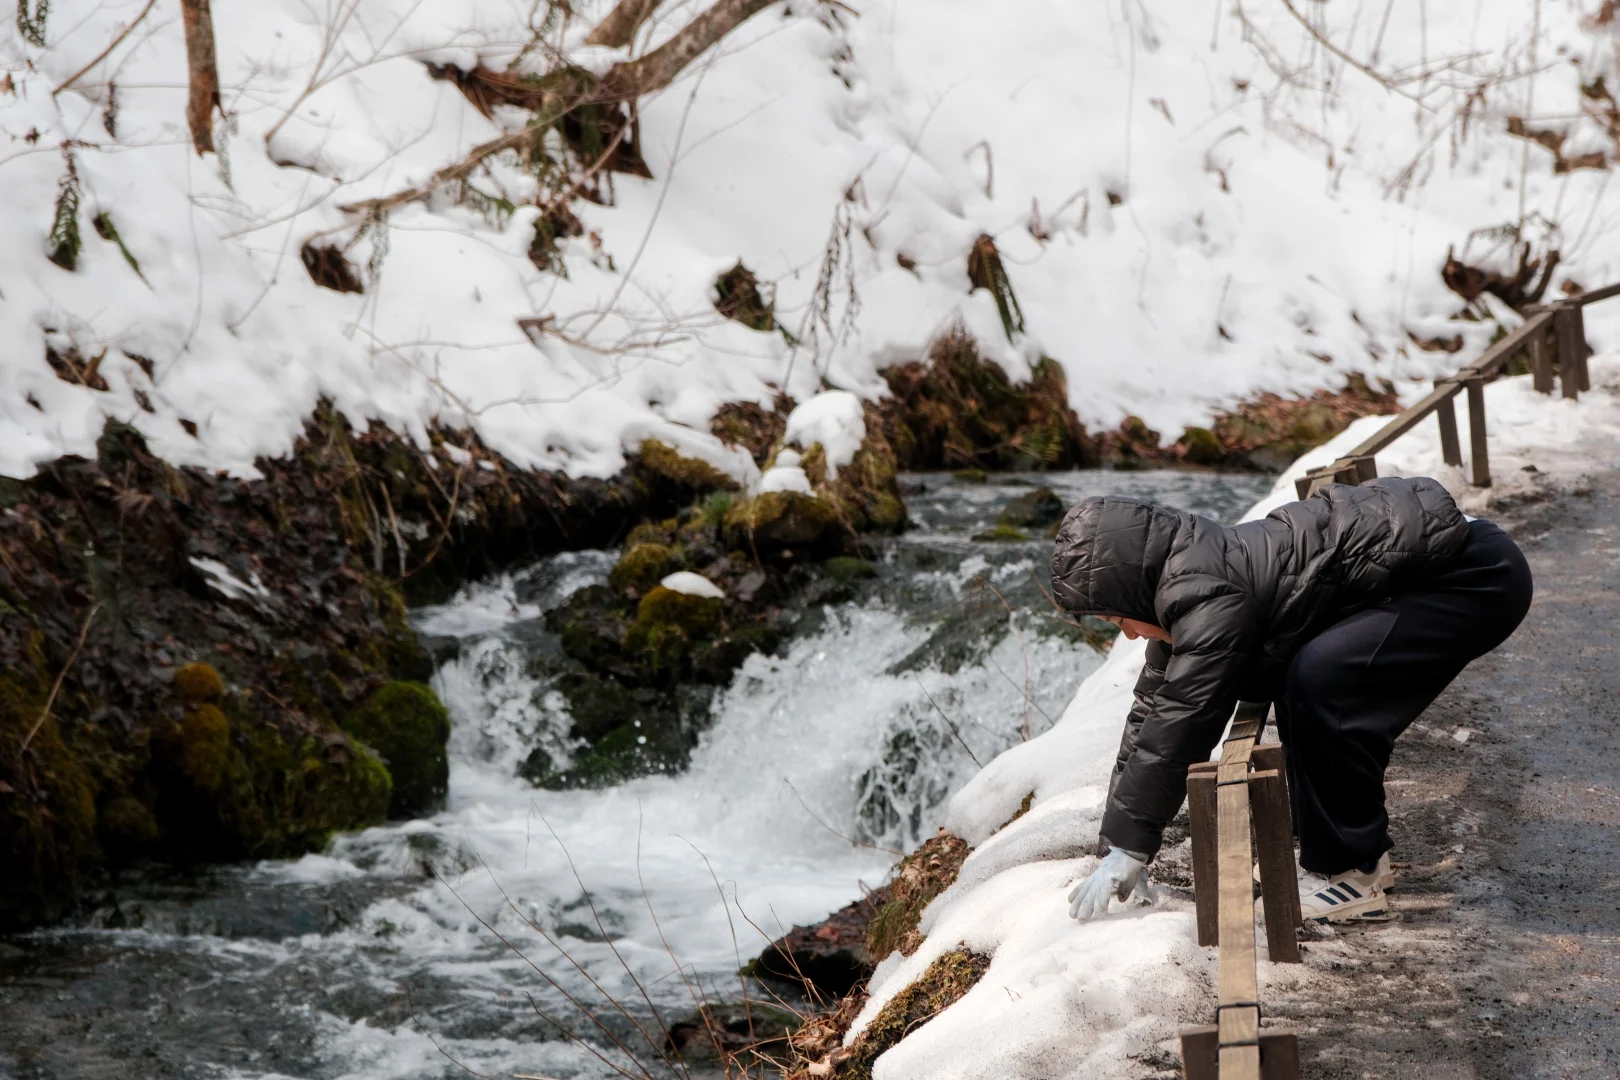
{"x":1330,"y":901}
{"x":1334,"y":890}
{"x":1347,"y":887}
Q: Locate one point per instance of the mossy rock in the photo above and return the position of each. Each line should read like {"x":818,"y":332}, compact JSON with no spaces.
{"x":128,"y":828}
{"x":971,"y":476}
{"x":1001,"y":534}
{"x":775,"y":521}
{"x":408,"y":726}
{"x":201,"y":747}
{"x":668,"y":627}
{"x":1033,"y":509}
{"x":846,"y":569}
{"x":945,"y":982}
{"x":688,"y":474}
{"x":641,"y":567}
{"x":1201,"y":447}
{"x":198,"y":682}
{"x":48,"y":817}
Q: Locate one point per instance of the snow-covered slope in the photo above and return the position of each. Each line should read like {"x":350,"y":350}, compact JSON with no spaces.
{"x":1066,"y":999}
{"x":1192,"y":205}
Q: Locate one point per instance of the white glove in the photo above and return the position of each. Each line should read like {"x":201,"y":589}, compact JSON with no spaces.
{"x":1116,"y":875}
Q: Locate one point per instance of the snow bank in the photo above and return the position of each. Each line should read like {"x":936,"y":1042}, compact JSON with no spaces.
{"x":1189,"y":210}
{"x":1066,"y":999}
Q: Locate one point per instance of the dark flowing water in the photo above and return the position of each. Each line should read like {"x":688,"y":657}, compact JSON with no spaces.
{"x":428,"y":948}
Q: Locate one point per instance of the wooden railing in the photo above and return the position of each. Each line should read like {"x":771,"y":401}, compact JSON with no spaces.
{"x":1246,"y":790}
{"x":1556,"y":331}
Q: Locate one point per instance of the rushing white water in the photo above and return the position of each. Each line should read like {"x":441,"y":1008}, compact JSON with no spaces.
{"x":403,"y":947}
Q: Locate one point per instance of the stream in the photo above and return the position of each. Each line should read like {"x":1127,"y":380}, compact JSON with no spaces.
{"x":478,"y":940}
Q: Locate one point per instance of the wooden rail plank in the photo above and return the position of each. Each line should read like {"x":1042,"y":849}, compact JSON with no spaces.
{"x":1594,"y":296}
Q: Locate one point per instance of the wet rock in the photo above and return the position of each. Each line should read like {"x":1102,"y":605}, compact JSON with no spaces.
{"x":641,"y":567}
{"x":724,"y":1031}
{"x":1001,"y":534}
{"x":829,"y":957}
{"x":778,"y":521}
{"x":1033,"y":510}
{"x":408,"y":727}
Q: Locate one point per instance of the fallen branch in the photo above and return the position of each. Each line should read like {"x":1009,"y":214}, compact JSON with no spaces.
{"x":56,"y":688}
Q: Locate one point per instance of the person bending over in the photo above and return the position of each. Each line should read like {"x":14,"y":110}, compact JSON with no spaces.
{"x":1350,"y":611}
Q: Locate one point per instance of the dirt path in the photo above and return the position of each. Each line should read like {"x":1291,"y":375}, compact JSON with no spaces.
{"x":1504,"y":958}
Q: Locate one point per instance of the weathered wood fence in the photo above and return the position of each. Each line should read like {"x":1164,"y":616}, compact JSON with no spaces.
{"x":1554,"y":334}
{"x":1238,"y":807}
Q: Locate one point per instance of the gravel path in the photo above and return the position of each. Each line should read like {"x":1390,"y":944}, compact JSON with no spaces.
{"x":1503,"y":959}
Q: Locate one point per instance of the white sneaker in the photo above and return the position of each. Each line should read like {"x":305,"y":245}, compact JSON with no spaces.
{"x":1342,"y":897}
{"x":1385,"y":872}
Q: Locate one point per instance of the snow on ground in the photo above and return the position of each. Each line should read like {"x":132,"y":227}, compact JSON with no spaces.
{"x":1066,"y":999}
{"x":1190,"y":210}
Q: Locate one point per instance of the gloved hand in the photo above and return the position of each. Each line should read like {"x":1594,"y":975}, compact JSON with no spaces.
{"x":1116,"y":875}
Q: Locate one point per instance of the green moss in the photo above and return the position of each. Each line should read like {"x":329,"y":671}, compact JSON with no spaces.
{"x":127,"y":826}
{"x":971,"y":476}
{"x":846,"y":569}
{"x":1201,"y":447}
{"x":684,"y":472}
{"x":48,"y":813}
{"x":943,"y":984}
{"x":203,"y":751}
{"x":408,"y":726}
{"x":198,"y":682}
{"x":640,"y":568}
{"x":668,"y":625}
{"x":714,"y":509}
{"x":1001,"y":534}
{"x":653,"y":532}
{"x":776,"y":520}
{"x":916,"y":880}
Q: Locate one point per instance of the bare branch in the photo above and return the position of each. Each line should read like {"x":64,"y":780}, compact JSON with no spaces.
{"x":656,"y":70}
{"x":621,"y":24}
{"x":103,"y":54}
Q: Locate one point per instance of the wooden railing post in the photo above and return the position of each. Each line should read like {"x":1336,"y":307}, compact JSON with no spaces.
{"x":1446,"y":413}
{"x":1541,"y":376}
{"x":1479,"y":453}
{"x":1570,"y":327}
{"x":1201,"y":820}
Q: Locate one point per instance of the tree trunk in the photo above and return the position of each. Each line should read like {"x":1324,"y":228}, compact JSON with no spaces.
{"x":656,"y":70}
{"x":621,"y":24}
{"x":204,"y":73}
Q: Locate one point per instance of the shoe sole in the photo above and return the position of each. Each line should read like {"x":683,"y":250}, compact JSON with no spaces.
{"x":1373,"y":908}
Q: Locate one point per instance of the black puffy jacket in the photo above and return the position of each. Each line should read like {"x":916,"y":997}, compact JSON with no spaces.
{"x":1238,"y":602}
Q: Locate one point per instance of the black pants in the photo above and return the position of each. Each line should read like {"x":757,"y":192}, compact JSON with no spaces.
{"x":1360,"y":683}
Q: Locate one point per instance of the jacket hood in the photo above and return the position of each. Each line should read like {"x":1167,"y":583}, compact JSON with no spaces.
{"x":1109,"y":555}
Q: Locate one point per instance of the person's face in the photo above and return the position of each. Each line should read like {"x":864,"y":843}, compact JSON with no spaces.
{"x":1135,"y":628}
